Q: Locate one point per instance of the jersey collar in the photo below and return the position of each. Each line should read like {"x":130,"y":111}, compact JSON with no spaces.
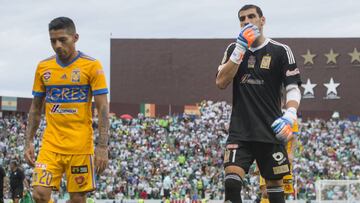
{"x":58,"y":61}
{"x":266,"y":41}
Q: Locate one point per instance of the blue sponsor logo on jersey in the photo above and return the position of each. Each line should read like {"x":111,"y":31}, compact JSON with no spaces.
{"x":67,"y":93}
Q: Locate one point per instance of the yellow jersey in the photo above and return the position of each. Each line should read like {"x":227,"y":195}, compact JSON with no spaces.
{"x":68,"y":90}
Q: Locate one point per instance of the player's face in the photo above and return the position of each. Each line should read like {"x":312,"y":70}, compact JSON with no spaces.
{"x":251,"y":16}
{"x":63,"y":43}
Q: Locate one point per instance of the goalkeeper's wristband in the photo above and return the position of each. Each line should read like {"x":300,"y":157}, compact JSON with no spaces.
{"x":238,"y":53}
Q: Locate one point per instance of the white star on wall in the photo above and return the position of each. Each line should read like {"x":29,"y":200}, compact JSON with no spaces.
{"x":308,"y":87}
{"x":331,"y":87}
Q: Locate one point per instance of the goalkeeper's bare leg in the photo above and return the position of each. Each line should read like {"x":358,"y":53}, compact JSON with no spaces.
{"x":275,"y":191}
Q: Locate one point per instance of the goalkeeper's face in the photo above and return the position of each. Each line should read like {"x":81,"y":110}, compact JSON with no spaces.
{"x":63,"y":43}
{"x":251,"y":16}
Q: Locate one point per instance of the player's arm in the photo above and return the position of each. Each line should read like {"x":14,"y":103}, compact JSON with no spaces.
{"x":291,"y":74}
{"x":228,"y":69}
{"x":33,"y":124}
{"x":226,"y":73}
{"x":283,"y":125}
{"x":293,"y":96}
{"x":101,"y":150}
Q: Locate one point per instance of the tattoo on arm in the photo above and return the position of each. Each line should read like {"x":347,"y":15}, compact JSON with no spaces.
{"x":103,"y":125}
{"x":34,"y":119}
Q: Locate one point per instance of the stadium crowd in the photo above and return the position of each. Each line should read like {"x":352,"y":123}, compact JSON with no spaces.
{"x":183,"y":154}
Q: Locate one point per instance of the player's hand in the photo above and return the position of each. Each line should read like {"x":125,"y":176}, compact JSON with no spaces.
{"x":283,"y":125}
{"x":101,"y":158}
{"x":248,"y":34}
{"x":30,"y":154}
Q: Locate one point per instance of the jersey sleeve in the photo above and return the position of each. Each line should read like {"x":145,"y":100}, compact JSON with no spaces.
{"x":290,"y":71}
{"x":38,"y":86}
{"x":98,"y":81}
{"x":228,"y":53}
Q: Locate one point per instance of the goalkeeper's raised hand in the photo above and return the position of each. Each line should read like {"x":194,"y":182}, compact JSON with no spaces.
{"x":283,"y":125}
{"x":248,"y":34}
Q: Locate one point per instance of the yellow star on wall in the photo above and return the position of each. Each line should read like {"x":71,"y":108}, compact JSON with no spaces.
{"x":331,"y":57}
{"x":308,"y":57}
{"x":355,"y":56}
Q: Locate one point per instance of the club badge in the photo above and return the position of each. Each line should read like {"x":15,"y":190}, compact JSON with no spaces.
{"x":265,"y":62}
{"x":47,"y":76}
{"x":75,"y":75}
{"x":251,"y":61}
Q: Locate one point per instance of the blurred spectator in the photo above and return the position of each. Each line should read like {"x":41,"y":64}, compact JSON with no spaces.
{"x":188,"y":149}
{"x":2,"y":176}
{"x":17,"y":178}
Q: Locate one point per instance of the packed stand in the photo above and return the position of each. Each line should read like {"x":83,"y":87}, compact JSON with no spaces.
{"x":181,"y":156}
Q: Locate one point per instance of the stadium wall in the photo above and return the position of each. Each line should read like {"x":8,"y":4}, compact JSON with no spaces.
{"x":182,"y":71}
{"x":10,"y":105}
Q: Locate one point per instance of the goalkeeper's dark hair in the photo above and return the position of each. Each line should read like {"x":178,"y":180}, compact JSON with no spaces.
{"x":250,"y":6}
{"x":63,"y":23}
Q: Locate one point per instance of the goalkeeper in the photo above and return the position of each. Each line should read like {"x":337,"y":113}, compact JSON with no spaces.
{"x":258,"y":68}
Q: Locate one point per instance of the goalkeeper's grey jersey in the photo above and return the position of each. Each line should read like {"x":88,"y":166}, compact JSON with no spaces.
{"x":257,"y":88}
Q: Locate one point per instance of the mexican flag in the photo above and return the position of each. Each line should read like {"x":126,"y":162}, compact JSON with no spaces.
{"x":148,"y":110}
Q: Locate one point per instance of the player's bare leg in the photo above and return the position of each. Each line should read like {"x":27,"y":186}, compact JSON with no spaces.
{"x":275,"y":191}
{"x":264,"y":195}
{"x":77,"y":197}
{"x":42,"y":194}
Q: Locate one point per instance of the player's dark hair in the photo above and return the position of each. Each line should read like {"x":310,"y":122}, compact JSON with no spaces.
{"x":250,"y":6}
{"x":62,"y":23}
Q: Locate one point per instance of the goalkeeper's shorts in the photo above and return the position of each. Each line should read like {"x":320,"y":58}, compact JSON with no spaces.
{"x":272,"y":159}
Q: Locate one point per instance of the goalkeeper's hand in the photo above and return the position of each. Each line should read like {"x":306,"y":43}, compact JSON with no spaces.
{"x":248,"y":34}
{"x":283,"y":125}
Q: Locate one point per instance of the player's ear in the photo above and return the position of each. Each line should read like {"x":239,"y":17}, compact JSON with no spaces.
{"x":76,"y":37}
{"x":262,"y":21}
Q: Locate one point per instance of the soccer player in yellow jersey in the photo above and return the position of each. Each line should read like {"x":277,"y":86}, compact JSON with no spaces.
{"x":66,"y":84}
{"x":288,"y":179}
